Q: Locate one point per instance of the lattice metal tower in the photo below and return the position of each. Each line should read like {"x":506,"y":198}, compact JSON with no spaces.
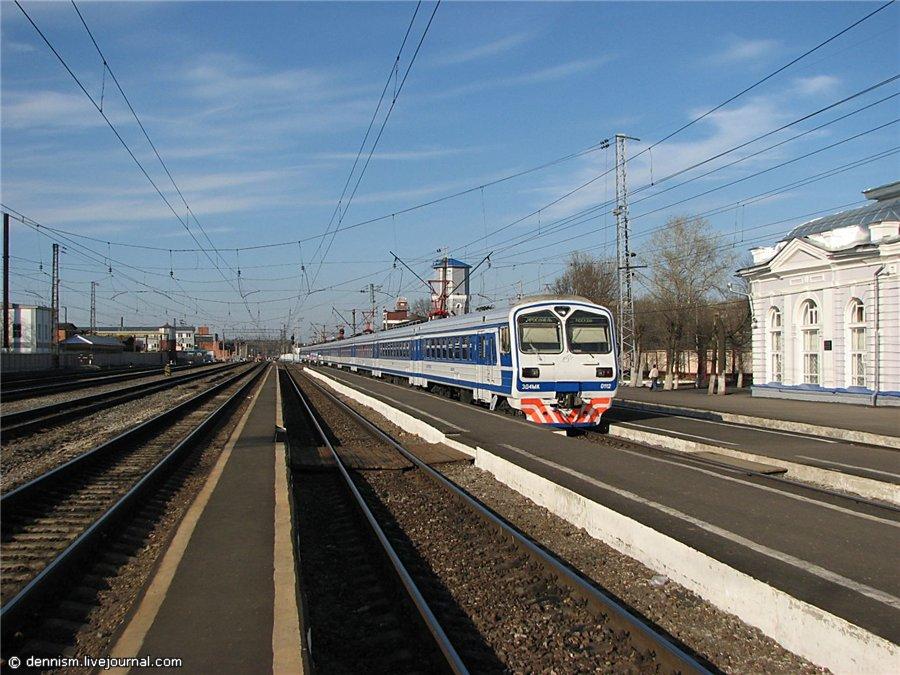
{"x":626,"y":327}
{"x":54,"y":297}
{"x":93,"y":307}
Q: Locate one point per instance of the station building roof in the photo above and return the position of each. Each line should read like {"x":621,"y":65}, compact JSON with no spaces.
{"x":877,"y":212}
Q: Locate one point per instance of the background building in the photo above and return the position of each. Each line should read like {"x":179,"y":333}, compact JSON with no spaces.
{"x":826,"y":304}
{"x":396,"y":317}
{"x":450,"y":288}
{"x":145,"y":338}
{"x":184,"y":338}
{"x":30,"y":329}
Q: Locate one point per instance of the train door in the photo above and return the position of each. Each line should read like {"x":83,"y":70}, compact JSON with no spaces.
{"x":488,"y":366}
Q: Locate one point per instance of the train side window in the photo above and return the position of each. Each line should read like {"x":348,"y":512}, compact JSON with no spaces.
{"x":465,"y":348}
{"x":504,"y":339}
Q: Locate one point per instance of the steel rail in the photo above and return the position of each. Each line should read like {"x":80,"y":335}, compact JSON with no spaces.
{"x":669,"y":654}
{"x":16,"y":394}
{"x":17,"y":608}
{"x":507,"y":412}
{"x":19,"y":423}
{"x":454,"y":662}
{"x":19,"y":379}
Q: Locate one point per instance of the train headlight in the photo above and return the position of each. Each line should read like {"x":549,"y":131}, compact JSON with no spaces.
{"x":531,"y":372}
{"x":604,"y":372}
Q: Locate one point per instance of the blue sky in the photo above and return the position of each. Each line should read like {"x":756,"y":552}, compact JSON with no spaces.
{"x":258,"y":109}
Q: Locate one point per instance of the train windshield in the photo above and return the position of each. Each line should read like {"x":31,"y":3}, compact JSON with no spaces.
{"x":540,"y":333}
{"x":588,"y":333}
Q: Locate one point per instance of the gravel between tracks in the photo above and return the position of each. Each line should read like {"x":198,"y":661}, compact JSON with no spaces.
{"x":116,"y":603}
{"x":530,"y":621}
{"x":34,"y":534}
{"x":26,"y":403}
{"x":725,"y":640}
{"x":22,"y":459}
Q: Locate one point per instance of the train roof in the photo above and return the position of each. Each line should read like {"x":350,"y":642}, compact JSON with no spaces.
{"x":443,"y":325}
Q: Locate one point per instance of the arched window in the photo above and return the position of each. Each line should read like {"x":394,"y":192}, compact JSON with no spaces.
{"x":810,"y":342}
{"x":856,"y":322}
{"x":776,"y":346}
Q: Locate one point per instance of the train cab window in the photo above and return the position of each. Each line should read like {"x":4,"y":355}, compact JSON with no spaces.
{"x":504,"y":340}
{"x":540,"y":333}
{"x":588,"y":333}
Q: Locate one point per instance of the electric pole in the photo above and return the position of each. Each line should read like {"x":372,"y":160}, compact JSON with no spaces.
{"x":54,"y":302}
{"x":627,"y":334}
{"x":6,"y":319}
{"x":353,"y":314}
{"x":93,"y":307}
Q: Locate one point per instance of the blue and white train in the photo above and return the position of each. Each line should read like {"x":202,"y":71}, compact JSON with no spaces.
{"x":552,"y":357}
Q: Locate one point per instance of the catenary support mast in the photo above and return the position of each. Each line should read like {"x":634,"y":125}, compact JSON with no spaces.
{"x":626,"y":327}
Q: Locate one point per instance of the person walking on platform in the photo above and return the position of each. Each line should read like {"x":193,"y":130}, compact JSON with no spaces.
{"x":654,"y":378}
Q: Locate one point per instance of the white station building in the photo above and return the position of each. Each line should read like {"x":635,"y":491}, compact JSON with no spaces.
{"x":826,"y":307}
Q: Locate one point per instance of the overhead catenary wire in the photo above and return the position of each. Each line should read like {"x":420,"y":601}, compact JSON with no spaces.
{"x":580,"y":153}
{"x":108,"y":68}
{"x":380,"y":131}
{"x":309,"y":289}
{"x":119,"y":137}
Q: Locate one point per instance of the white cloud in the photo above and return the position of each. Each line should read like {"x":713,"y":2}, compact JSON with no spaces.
{"x":817,"y":84}
{"x":718,"y":132}
{"x":492,"y":48}
{"x":47,"y":109}
{"x":549,"y":74}
{"x":399,"y":155}
{"x":18,"y":47}
{"x":742,"y":49}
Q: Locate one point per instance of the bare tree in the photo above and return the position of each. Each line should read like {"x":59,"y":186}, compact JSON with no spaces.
{"x":588,"y":277}
{"x":419,"y":308}
{"x":687,"y":273}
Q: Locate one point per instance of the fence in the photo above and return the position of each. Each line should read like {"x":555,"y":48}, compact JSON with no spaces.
{"x":14,"y":363}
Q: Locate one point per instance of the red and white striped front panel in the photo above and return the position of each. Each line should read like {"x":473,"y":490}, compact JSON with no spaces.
{"x":589,"y":414}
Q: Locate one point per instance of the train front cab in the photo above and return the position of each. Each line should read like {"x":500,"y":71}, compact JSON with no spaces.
{"x":565,"y":372}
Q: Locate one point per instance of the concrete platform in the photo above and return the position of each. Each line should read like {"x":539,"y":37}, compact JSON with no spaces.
{"x":814,"y":571}
{"x":224,"y":596}
{"x":842,"y":421}
{"x":742,"y":464}
{"x":818,"y":548}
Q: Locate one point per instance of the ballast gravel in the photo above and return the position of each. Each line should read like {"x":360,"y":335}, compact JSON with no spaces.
{"x":25,"y":458}
{"x":722,"y":638}
{"x":116,"y":603}
{"x":49,"y":399}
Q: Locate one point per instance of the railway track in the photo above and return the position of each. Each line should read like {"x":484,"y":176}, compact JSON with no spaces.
{"x":25,"y":422}
{"x":491,"y":598}
{"x":600,"y":437}
{"x":53,"y":525}
{"x":17,"y":380}
{"x":15,"y":391}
